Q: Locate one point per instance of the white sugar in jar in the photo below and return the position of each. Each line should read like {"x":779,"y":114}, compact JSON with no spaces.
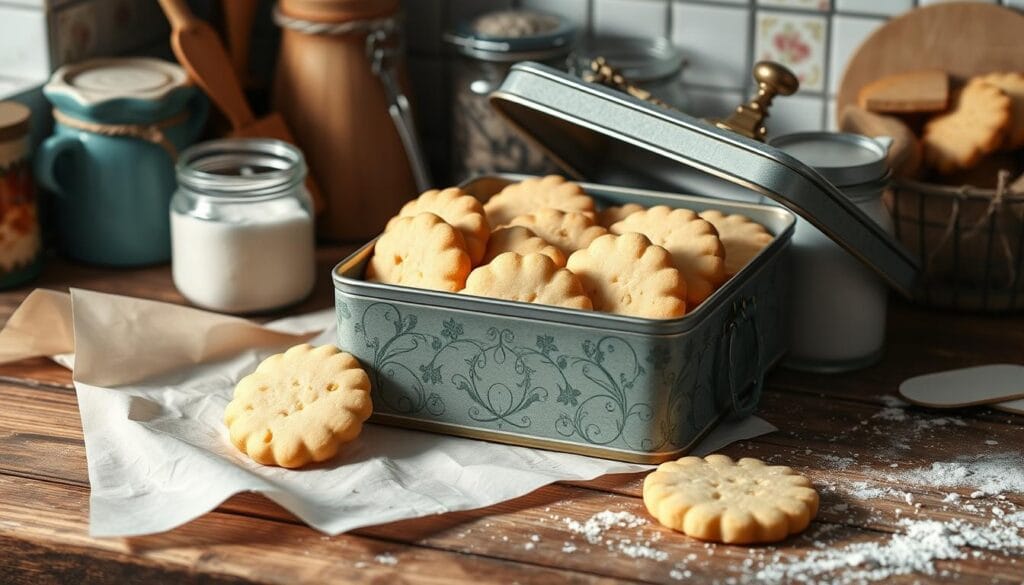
{"x":242,"y":236}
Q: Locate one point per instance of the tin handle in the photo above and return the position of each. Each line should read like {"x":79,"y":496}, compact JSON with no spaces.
{"x":744,"y":402}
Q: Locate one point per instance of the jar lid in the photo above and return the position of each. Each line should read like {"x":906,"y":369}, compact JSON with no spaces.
{"x":514,"y":35}
{"x":100,"y":80}
{"x":844,"y":159}
{"x":14,"y":120}
{"x":638,"y":59}
{"x":606,"y":136}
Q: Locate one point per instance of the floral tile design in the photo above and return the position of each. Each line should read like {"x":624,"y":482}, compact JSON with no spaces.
{"x":797,"y":41}
{"x":822,"y":5}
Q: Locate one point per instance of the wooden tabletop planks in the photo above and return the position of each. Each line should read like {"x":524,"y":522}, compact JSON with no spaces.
{"x":844,"y":432}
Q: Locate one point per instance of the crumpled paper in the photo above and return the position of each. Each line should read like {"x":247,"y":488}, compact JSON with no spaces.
{"x":153,"y":379}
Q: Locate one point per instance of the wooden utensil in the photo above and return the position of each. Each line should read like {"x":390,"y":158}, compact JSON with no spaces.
{"x":962,"y":39}
{"x":988,"y":384}
{"x":238,"y":18}
{"x":199,"y":50}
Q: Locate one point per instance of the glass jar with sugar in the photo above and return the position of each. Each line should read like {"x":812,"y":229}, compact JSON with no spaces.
{"x":242,"y":236}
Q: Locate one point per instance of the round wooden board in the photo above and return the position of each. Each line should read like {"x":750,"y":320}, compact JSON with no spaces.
{"x":964,"y":39}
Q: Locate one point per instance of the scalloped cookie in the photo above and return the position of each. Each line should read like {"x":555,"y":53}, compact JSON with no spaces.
{"x":521,"y":240}
{"x":735,"y":502}
{"x":421,"y":251}
{"x":1012,"y":85}
{"x":610,"y":215}
{"x":628,"y":275}
{"x":459,"y":210}
{"x":529,"y":278}
{"x":741,"y":236}
{"x":975,"y":125}
{"x":693,"y":242}
{"x":537,"y":193}
{"x":299,"y":406}
{"x":566,"y":230}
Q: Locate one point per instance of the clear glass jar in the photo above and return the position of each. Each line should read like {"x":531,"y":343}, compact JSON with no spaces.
{"x":242,"y":237}
{"x":653,"y":64}
{"x":20,"y":237}
{"x":482,"y":142}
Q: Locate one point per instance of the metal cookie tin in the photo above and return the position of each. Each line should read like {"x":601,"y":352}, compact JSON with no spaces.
{"x":626,"y":388}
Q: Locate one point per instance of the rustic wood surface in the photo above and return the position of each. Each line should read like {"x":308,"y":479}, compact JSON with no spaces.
{"x":832,"y":428}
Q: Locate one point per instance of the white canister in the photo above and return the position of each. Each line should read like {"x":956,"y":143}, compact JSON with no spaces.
{"x":242,"y":236}
{"x":838,"y":304}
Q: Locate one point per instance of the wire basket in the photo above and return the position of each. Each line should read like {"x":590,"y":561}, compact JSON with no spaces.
{"x":969,"y":241}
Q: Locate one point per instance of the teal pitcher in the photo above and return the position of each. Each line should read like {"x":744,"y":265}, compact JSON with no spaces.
{"x":119,"y":124}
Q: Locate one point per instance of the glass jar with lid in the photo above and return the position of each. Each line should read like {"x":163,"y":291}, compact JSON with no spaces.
{"x":482,"y":142}
{"x":652,"y":64}
{"x":242,"y":235}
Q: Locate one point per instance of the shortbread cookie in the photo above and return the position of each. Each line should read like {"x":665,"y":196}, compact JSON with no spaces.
{"x":529,"y":278}
{"x":611,"y":215}
{"x":693,"y":242}
{"x":566,"y":230}
{"x":974,"y":126}
{"x":299,"y":406}
{"x":536,"y":193}
{"x":421,"y":251}
{"x":628,"y":275}
{"x":906,"y":93}
{"x":521,"y":240}
{"x":741,"y":236}
{"x":459,"y":210}
{"x":1012,"y":85}
{"x":735,"y":502}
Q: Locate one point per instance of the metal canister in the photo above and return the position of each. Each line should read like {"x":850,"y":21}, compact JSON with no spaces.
{"x":488,"y":46}
{"x":838,"y":303}
{"x":652,"y":64}
{"x":20,"y":241}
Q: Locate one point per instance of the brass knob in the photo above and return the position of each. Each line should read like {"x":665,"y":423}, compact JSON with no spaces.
{"x":748,"y":119}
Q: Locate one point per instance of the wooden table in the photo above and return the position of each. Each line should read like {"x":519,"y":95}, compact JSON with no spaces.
{"x":835,"y":429}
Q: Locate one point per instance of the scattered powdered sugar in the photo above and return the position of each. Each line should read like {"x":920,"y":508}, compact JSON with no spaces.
{"x":987,"y":475}
{"x":595,"y":530}
{"x":838,"y":463}
{"x":386,"y":559}
{"x":863,"y":490}
{"x":595,"y":526}
{"x":914,"y":551}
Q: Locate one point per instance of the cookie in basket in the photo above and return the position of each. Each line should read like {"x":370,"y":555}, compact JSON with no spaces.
{"x":459,"y":210}
{"x":610,"y":215}
{"x":566,"y":230}
{"x":422,"y":251}
{"x":299,"y":406}
{"x":521,"y":240}
{"x":528,"y":278}
{"x":734,"y":502}
{"x":628,"y":275}
{"x":693,"y":243}
{"x":741,"y":236}
{"x":974,"y":126}
{"x":1012,"y":84}
{"x":536,"y":193}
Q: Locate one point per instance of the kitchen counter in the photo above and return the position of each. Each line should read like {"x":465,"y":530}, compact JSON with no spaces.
{"x":870,"y":456}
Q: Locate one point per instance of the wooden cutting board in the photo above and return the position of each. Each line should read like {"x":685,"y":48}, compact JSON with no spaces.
{"x":962,"y":38}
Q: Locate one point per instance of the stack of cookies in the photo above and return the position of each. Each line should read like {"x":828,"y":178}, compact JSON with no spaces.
{"x":544,"y":240}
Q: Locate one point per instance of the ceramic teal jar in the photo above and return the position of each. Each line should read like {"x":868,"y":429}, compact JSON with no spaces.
{"x":110,"y":162}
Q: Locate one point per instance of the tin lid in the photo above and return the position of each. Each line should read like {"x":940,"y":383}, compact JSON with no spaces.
{"x":640,"y":60}
{"x":844,"y":159}
{"x":100,"y":80}
{"x":514,"y":35}
{"x":14,"y":120}
{"x":609,"y":137}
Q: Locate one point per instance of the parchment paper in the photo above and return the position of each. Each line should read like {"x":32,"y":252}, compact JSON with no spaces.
{"x":153,"y":380}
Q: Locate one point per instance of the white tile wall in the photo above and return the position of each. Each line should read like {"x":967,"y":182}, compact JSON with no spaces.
{"x":848,"y":32}
{"x":640,"y":18}
{"x":24,"y":53}
{"x":795,"y":113}
{"x":881,"y":7}
{"x":713,"y":103}
{"x":576,"y":10}
{"x":716,"y":43}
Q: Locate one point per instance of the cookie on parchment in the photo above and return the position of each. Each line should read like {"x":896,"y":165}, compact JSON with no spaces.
{"x":1012,"y":84}
{"x":693,"y":243}
{"x":735,"y":502}
{"x":741,"y":236}
{"x":529,"y":278}
{"x":566,"y":230}
{"x":975,"y":125}
{"x":536,"y":193}
{"x":628,"y":275}
{"x":459,"y":210}
{"x":299,"y":406}
{"x":521,"y":240}
{"x":610,"y":215}
{"x":421,"y":251}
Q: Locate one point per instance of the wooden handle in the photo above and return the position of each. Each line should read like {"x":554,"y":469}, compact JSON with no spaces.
{"x":238,"y":19}
{"x":178,"y":14}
